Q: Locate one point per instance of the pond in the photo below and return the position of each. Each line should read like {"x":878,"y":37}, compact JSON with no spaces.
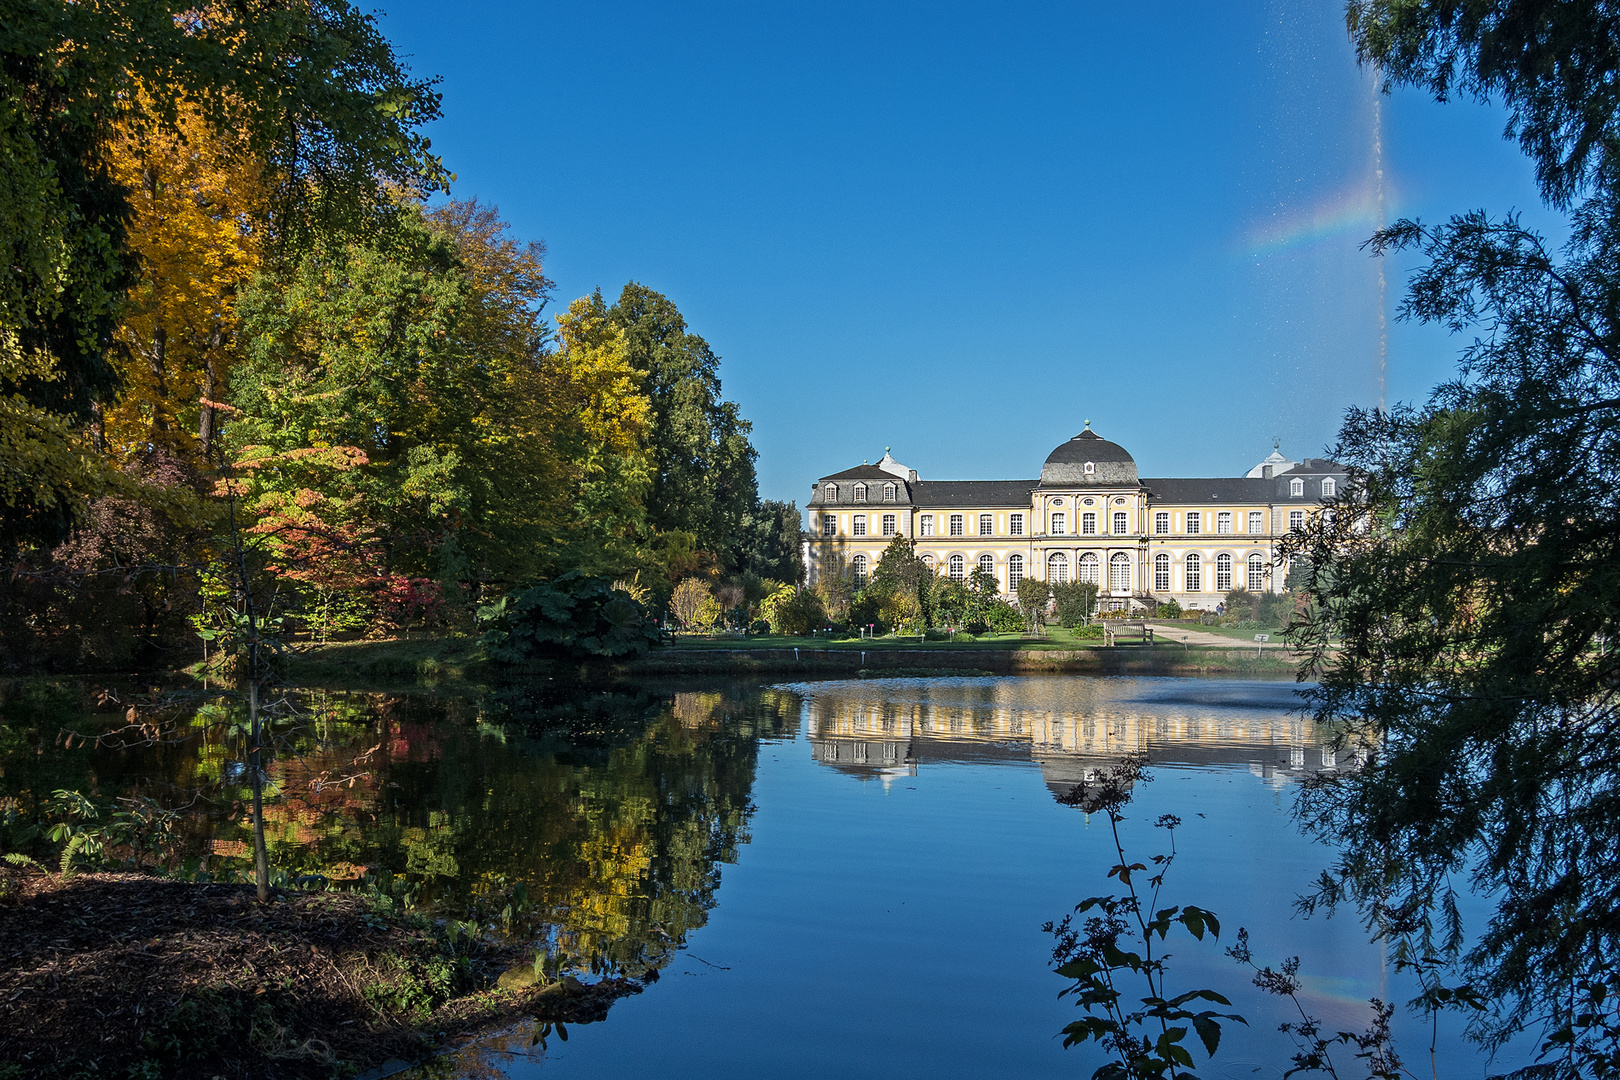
{"x":833,"y":878}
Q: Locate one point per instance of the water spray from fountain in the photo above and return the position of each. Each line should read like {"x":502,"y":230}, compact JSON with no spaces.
{"x":1378,"y":181}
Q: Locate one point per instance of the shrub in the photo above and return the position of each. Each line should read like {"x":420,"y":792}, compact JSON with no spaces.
{"x":570,"y":616}
{"x":1004,"y":618}
{"x":1168,"y":610}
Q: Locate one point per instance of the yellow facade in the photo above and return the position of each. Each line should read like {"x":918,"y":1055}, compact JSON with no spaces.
{"x":1088,"y":518}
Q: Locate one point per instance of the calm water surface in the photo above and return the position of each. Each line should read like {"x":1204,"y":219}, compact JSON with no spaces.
{"x":881,"y":911}
{"x":831,"y":879}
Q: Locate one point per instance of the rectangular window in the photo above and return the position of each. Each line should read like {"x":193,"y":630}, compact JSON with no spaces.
{"x":859,"y":528}
{"x":1015,"y":524}
{"x":926,"y":525}
{"x":829,"y":524}
{"x":1120,"y":528}
{"x":956,"y":524}
{"x":1257,"y":573}
{"x":1296,"y":520}
{"x":987,"y":525}
{"x":1223,"y":574}
{"x":1059,"y":524}
{"x":1161,"y":524}
{"x":1161,"y":574}
{"x":860,"y":492}
{"x":888,"y":524}
{"x":1195,"y":522}
{"x":1257,"y":521}
{"x":1088,"y":523}
{"x":888,"y":493}
{"x":1195,"y":574}
{"x":1223,"y":523}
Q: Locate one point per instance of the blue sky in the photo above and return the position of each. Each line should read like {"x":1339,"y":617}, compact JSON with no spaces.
{"x":963,"y":230}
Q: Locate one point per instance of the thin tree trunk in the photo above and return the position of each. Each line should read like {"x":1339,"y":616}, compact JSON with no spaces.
{"x":205,"y":416}
{"x":261,"y":859}
{"x":157,"y":357}
{"x":98,"y":428}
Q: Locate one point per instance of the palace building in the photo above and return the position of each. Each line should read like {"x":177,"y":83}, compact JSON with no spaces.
{"x":1089,"y":517}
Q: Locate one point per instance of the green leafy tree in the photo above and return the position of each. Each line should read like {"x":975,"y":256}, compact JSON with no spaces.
{"x":769,"y":542}
{"x":1033,"y":593}
{"x":1076,"y":602}
{"x":1464,"y":595}
{"x":703,"y":480}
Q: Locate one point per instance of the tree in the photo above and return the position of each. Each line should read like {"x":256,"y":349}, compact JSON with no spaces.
{"x":314,"y":92}
{"x":1075,"y":602}
{"x":691,"y":596}
{"x":769,"y":542}
{"x":1033,"y":594}
{"x":199,"y":212}
{"x":834,"y":586}
{"x":1468,"y":580}
{"x":703,"y":479}
{"x":1555,"y":64}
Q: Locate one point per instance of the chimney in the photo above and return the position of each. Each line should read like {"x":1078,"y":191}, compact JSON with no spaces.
{"x":1265,"y":472}
{"x":913,"y":476}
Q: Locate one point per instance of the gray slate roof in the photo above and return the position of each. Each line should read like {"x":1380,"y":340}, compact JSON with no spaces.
{"x":948,"y":493}
{"x":1218,"y":489}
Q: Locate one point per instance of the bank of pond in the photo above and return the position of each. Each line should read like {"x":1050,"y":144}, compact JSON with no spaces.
{"x":732,"y":878}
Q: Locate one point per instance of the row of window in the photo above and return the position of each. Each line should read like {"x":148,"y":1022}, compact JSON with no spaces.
{"x":1087,"y":569}
{"x":1296,"y":487}
{"x":957,"y":524}
{"x":829,"y":493}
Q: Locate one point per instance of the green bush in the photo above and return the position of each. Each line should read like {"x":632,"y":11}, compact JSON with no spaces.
{"x":571,"y":616}
{"x":1168,"y":610}
{"x":1095,"y":630}
{"x":1004,"y":618}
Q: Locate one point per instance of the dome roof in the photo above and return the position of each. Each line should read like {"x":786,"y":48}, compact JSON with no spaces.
{"x":1088,"y":458}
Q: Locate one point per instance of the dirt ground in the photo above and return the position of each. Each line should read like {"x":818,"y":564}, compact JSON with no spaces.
{"x":127,"y":975}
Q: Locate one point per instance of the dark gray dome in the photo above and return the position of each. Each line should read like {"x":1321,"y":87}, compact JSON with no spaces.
{"x":1109,"y":463}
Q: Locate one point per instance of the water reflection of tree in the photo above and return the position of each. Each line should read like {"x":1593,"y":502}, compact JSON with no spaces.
{"x":598,"y":822}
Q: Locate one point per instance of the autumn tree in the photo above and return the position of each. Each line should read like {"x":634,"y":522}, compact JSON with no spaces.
{"x":314,"y":92}
{"x":691,"y":596}
{"x":198,"y":223}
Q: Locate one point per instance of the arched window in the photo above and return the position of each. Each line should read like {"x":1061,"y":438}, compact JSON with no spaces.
{"x":888,"y":493}
{"x":1257,"y":573}
{"x":1296,"y":488}
{"x":1330,"y":487}
{"x":1015,"y":572}
{"x":1087,"y":570}
{"x":1057,"y":568}
{"x":1091,"y":467}
{"x":1223,"y":573}
{"x":958,"y":571}
{"x":928,"y":561}
{"x":1195,"y":573}
{"x":1161,"y":572}
{"x":987,"y":565}
{"x":1119,"y":573}
{"x":859,"y":565}
{"x":829,"y":493}
{"x":860,"y":492}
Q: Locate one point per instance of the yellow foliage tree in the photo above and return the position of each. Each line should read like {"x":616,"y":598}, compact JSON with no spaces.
{"x":200,"y":202}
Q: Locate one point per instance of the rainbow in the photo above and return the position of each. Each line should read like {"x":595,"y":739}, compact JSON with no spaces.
{"x":1353,"y":208}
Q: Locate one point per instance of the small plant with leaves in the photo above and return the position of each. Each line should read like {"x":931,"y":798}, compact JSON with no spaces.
{"x":1111,"y":954}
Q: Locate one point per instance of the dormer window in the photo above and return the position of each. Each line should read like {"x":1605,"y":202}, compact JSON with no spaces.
{"x":1296,"y":488}
{"x":1329,"y":488}
{"x":888,"y":493}
{"x":829,"y":493}
{"x":1091,"y":468}
{"x":860,"y":492}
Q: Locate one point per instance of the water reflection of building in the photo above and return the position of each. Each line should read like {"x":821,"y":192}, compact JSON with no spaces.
{"x":1069,"y":727}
